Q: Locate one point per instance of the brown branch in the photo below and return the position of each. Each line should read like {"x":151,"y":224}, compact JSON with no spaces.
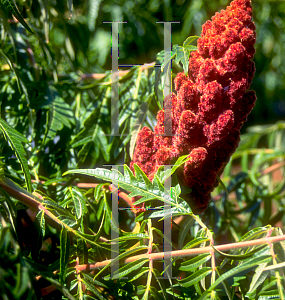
{"x":184,"y":253}
{"x":47,"y":290}
{"x":34,"y":201}
{"x":129,"y":200}
{"x":120,"y":73}
{"x":272,"y":168}
{"x":19,"y":193}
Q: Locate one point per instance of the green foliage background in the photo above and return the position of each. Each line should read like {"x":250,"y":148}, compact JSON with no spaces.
{"x":55,"y":117}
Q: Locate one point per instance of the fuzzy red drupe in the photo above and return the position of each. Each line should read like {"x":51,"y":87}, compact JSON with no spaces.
{"x":210,"y":105}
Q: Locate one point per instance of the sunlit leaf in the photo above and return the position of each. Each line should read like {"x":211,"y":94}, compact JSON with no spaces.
{"x":247,"y":265}
{"x":258,"y":278}
{"x":196,"y":242}
{"x":130,"y":267}
{"x":237,"y":257}
{"x":15,"y":140}
{"x":78,"y":200}
{"x":195,"y":262}
{"x":196,"y":277}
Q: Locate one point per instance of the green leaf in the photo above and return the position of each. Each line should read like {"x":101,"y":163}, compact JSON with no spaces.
{"x":10,"y":6}
{"x":140,"y":273}
{"x":190,"y":40}
{"x":98,"y":192}
{"x":11,"y":65}
{"x":122,"y":255}
{"x":91,"y":287}
{"x":130,"y":267}
{"x":69,"y":221}
{"x":138,"y":186}
{"x":132,"y":236}
{"x":185,"y":230}
{"x":163,"y":175}
{"x":142,"y":176}
{"x":16,"y":280}
{"x":195,"y":262}
{"x":82,"y":251}
{"x":93,"y":281}
{"x":258,"y":278}
{"x":53,"y":205}
{"x":155,"y":294}
{"x":256,"y":233}
{"x":268,"y":295}
{"x":269,"y":284}
{"x":181,"y":54}
{"x":196,"y":277}
{"x":10,"y":209}
{"x":197,"y":241}
{"x":93,"y":284}
{"x":160,"y":212}
{"x":244,"y":162}
{"x":64,"y":254}
{"x":226,"y":287}
{"x":257,"y":166}
{"x":247,"y":265}
{"x":107,"y":224}
{"x":237,"y":279}
{"x":238,"y":257}
{"x":146,"y":189}
{"x":40,"y":223}
{"x":59,"y":115}
{"x":15,"y":140}
{"x":93,"y":135}
{"x":78,"y":200}
{"x":148,"y":286}
{"x":94,"y":6}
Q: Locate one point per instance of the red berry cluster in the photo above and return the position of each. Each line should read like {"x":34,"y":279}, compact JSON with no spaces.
{"x":210,"y":106}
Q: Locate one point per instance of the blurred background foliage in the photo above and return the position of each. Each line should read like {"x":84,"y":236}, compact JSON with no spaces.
{"x":82,"y":42}
{"x":79,"y":41}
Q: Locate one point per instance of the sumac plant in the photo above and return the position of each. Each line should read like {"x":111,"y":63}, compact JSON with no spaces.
{"x":85,"y":214}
